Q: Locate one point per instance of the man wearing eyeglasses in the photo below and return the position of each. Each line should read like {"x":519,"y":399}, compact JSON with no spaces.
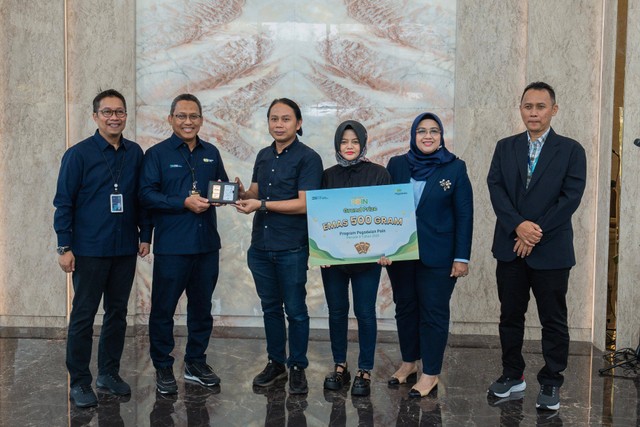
{"x":175,"y":176}
{"x":100,"y":229}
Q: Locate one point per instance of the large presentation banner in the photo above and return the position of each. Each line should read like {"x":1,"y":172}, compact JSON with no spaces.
{"x":361,"y":224}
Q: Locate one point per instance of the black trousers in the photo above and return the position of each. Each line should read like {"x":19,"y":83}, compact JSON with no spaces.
{"x":93,"y":278}
{"x":515,"y":281}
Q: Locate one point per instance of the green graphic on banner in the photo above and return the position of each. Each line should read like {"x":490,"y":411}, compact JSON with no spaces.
{"x":361,"y":224}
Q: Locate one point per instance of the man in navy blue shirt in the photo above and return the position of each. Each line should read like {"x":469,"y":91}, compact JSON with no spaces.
{"x":100,"y":229}
{"x":176,"y":173}
{"x":279,"y":251}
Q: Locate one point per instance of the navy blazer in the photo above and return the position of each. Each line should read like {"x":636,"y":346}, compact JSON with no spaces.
{"x":553,"y":195}
{"x":444,"y":216}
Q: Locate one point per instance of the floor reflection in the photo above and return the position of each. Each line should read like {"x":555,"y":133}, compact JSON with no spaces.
{"x":33,"y":392}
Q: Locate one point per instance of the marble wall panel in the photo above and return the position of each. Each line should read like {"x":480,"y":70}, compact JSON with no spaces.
{"x":100,"y":40}
{"x":628,"y":312}
{"x":32,"y":135}
{"x":379,"y":62}
{"x":565,"y":59}
{"x":101,"y":36}
{"x":486,"y":110}
{"x":523,"y":42}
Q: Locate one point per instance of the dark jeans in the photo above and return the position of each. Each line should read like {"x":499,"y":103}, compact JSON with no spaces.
{"x":172,"y":275}
{"x":515,"y":281}
{"x":422,"y":296}
{"x":93,"y":278}
{"x":280,"y":278}
{"x":364,"y":286}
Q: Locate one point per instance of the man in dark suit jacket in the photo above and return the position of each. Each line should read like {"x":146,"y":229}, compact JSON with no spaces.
{"x":536,"y":182}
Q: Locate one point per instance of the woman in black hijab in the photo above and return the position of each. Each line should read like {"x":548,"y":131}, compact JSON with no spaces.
{"x":353,"y":170}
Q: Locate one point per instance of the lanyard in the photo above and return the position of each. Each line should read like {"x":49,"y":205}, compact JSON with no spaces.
{"x":114,"y":177}
{"x":534,"y":155}
{"x":194,"y":182}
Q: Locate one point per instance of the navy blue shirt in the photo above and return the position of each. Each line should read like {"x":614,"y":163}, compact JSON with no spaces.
{"x":280,"y":177}
{"x":83,"y":218}
{"x":166,"y":182}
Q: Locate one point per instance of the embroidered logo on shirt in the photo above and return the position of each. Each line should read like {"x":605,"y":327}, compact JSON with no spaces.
{"x":445,"y":184}
{"x":208,"y":160}
{"x":175,"y":165}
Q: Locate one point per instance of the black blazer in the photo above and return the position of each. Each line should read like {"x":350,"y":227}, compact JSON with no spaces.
{"x":444,"y":216}
{"x":553,"y":195}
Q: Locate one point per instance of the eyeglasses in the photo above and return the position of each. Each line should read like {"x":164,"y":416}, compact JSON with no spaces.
{"x":432,"y":132}
{"x":107,"y":112}
{"x":183,"y":117}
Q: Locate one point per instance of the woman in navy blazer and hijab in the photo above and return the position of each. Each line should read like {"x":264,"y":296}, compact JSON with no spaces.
{"x":444,"y":218}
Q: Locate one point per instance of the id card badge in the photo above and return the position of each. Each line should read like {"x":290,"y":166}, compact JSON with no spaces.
{"x":116,"y":203}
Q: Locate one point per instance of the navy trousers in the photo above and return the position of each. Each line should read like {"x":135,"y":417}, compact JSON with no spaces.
{"x":196,"y":275}
{"x":364,"y":286}
{"x":93,"y":278}
{"x":422,"y":296}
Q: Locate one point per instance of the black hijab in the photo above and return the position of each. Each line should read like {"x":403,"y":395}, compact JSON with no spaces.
{"x":361,"y":133}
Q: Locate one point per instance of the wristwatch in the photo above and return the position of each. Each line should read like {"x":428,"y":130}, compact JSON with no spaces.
{"x":63,"y":249}
{"x":263,"y":205}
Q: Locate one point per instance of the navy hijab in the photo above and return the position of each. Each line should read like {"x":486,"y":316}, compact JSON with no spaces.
{"x":423,"y":165}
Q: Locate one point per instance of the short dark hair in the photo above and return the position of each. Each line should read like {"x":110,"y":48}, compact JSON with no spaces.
{"x":109,"y":93}
{"x":290,"y":103}
{"x":540,"y":86}
{"x":184,"y":97}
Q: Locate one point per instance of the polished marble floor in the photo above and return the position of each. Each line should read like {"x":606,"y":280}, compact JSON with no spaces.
{"x":33,"y":390}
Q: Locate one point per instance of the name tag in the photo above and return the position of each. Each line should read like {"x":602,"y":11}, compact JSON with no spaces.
{"x":117,"y":205}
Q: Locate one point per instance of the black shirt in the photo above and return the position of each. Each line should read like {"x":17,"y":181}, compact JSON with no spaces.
{"x":280,"y":177}
{"x":361,"y":174}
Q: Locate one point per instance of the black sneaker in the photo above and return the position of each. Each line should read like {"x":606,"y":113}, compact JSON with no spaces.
{"x":114,"y":384}
{"x":165,"y":381}
{"x":83,"y":396}
{"x":270,"y":374}
{"x":297,"y":381}
{"x":504,"y":386}
{"x":548,"y":398}
{"x":201,"y":373}
{"x":361,"y":385}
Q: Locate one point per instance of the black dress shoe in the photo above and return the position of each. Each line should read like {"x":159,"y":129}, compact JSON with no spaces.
{"x":337,"y":379}
{"x":361,"y":385}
